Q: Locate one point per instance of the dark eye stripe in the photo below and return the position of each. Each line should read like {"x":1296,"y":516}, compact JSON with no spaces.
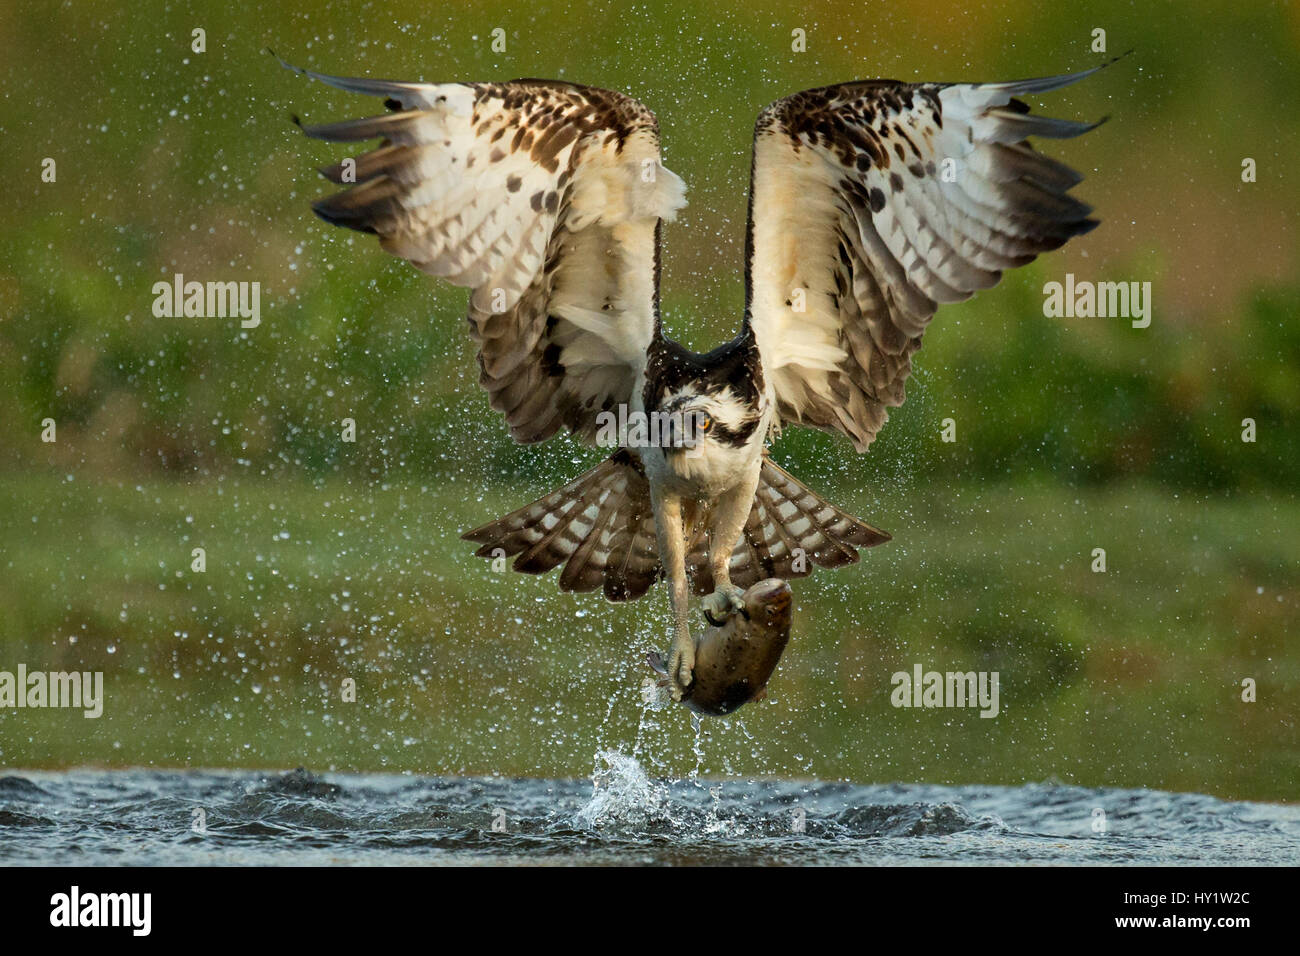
{"x":738,"y":436}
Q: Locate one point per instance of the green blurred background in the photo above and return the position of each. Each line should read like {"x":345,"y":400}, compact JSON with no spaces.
{"x":329,"y":560}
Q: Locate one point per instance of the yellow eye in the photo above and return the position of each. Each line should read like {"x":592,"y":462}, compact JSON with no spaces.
{"x":705,"y":422}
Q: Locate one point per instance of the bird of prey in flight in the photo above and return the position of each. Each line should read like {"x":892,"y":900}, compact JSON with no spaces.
{"x":871,"y":203}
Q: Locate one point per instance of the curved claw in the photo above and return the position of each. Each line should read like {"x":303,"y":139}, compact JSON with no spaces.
{"x":723,"y":603}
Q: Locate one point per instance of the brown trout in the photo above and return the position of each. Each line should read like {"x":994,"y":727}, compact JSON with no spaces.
{"x":734,"y":661}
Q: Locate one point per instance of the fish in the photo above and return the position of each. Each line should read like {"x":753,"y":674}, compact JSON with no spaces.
{"x":735,"y":660}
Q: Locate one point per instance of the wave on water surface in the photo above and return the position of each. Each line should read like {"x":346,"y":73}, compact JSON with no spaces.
{"x":620,"y":816}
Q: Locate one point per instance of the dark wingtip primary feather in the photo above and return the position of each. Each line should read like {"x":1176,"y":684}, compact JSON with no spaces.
{"x":395,"y":92}
{"x":357,"y":130}
{"x":1045,"y":84}
{"x":287,"y":65}
{"x":337,"y":211}
{"x":1025,"y":125}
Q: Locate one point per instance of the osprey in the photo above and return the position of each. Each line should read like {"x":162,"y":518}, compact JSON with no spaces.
{"x":871,"y":203}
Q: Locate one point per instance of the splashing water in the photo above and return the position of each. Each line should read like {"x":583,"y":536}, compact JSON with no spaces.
{"x":622,"y":815}
{"x":622,"y":795}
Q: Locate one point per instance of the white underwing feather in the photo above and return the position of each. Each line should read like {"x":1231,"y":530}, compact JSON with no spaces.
{"x":880,"y":201}
{"x":541,"y":197}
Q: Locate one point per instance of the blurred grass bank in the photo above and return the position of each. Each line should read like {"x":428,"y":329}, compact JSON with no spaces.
{"x":1125,"y":678}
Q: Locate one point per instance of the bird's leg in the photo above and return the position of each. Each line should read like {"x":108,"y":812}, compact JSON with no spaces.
{"x":672,"y":554}
{"x":729,"y":516}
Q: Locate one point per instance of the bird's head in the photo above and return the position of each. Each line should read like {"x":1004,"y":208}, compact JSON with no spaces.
{"x":704,"y":421}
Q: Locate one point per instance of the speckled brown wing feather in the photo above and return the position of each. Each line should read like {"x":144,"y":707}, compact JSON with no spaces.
{"x":790,"y":530}
{"x":599,"y":526}
{"x":872,"y":203}
{"x":542,"y":197}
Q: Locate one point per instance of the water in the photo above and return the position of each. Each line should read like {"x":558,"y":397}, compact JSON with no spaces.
{"x":146,"y":817}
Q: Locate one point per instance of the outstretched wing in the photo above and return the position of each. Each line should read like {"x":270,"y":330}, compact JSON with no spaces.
{"x":871,"y":204}
{"x":545,"y":199}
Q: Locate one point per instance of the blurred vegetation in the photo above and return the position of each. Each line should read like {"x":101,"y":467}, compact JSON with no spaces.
{"x":173,"y":161}
{"x":1085,"y":400}
{"x":1129,"y":678}
{"x":1072,"y":433}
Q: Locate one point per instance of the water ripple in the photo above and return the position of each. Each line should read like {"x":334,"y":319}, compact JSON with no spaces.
{"x":621,"y":815}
